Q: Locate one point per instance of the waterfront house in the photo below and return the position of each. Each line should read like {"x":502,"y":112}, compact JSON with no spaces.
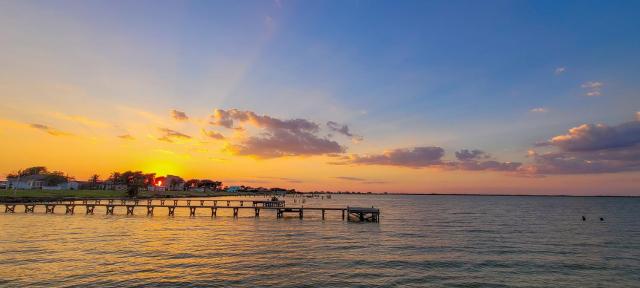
{"x":27,"y":182}
{"x":169,"y":183}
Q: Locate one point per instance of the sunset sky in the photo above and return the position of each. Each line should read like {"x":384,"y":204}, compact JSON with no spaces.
{"x":519,"y":97}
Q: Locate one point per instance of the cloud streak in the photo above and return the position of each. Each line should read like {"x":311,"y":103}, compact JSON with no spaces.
{"x":49,"y":130}
{"x":417,"y":157}
{"x":212,"y":135}
{"x":343,"y":130}
{"x":170,"y":136}
{"x":539,"y":110}
{"x":593,"y":88}
{"x":430,"y":156}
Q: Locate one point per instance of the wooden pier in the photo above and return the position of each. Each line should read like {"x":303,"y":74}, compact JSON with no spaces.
{"x":149,"y":207}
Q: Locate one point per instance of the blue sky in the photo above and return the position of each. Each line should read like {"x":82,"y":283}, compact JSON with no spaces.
{"x":453,"y":74}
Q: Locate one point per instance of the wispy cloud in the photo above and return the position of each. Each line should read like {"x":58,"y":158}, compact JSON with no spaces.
{"x":560,"y":70}
{"x":169,"y":135}
{"x":344,"y":130}
{"x":49,"y":130}
{"x":81,"y":120}
{"x":126,"y":137}
{"x":416,"y":157}
{"x":179,"y":115}
{"x":348,"y":178}
{"x":429,"y":156}
{"x":593,"y":88}
{"x":212,"y":134}
{"x":539,"y":110}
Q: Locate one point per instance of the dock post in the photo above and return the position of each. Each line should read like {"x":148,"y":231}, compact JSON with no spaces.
{"x":90,"y":209}
{"x":214,"y":211}
{"x":110,"y":201}
{"x":135,"y":202}
{"x":70,"y":208}
{"x":149,"y":202}
{"x":162,"y":202}
{"x":322,"y":214}
{"x":172,"y":210}
{"x":123,"y":202}
{"x":241,"y":203}
{"x":110,"y":209}
{"x":84,"y":201}
{"x":228,"y":203}
{"x":175,"y":202}
{"x":97,"y":201}
{"x":201,"y":202}
{"x":215,"y":202}
{"x":301,"y":212}
{"x":188,"y":202}
{"x":9,"y":208}
{"x":342,"y":214}
{"x":149,"y":210}
{"x":192,"y":211}
{"x":257,"y":212}
{"x":235,"y":212}
{"x":49,"y":208}
{"x":29,"y":208}
{"x":130,"y":209}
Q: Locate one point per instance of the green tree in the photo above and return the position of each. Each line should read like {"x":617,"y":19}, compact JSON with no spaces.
{"x":36,"y":170}
{"x":55,"y":178}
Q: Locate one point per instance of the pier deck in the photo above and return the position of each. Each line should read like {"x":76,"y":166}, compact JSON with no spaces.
{"x":149,"y":206}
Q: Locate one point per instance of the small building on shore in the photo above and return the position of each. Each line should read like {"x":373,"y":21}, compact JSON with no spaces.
{"x":27,"y":182}
{"x":39,"y":181}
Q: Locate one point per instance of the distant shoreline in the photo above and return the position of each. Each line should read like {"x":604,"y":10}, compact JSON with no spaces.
{"x":505,"y":195}
{"x":35,"y":195}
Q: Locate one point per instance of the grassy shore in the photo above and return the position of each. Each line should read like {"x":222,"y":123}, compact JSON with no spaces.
{"x":88,"y":194}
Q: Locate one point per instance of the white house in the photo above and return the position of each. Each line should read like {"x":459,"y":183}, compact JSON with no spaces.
{"x":27,"y":182}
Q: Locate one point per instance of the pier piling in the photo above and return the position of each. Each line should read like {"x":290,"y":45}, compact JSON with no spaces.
{"x":90,"y":209}
{"x":70,"y":208}
{"x":29,"y":208}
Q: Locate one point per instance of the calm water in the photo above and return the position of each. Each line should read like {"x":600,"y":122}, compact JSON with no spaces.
{"x":453,"y":241}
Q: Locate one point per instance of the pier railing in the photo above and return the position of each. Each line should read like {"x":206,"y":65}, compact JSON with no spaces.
{"x":193,"y":205}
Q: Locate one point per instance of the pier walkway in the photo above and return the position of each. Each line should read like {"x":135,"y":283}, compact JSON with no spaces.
{"x":149,"y":206}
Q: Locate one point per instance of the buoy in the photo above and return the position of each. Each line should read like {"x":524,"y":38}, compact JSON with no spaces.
{"x":584,"y":218}
{"x":601,"y":219}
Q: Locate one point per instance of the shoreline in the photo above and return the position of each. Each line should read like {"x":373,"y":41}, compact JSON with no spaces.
{"x":50,"y":195}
